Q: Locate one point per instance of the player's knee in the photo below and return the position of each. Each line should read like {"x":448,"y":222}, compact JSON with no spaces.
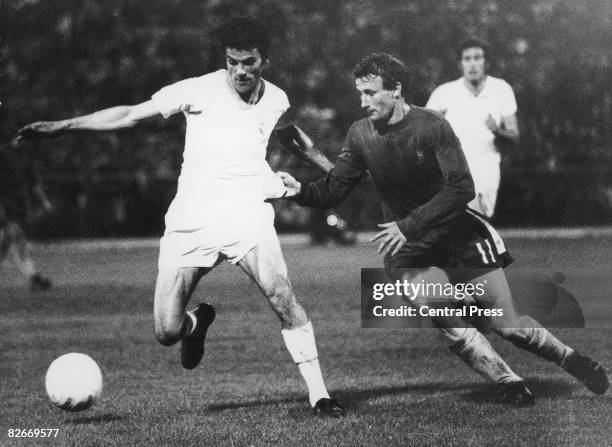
{"x":459,"y":337}
{"x":520,"y":332}
{"x":285,"y":305}
{"x":168,"y":336}
{"x":280,"y":293}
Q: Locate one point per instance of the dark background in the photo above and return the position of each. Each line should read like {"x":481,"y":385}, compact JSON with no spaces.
{"x":62,"y":58}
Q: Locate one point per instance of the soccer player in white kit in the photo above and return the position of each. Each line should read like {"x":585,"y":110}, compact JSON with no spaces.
{"x":481,"y":109}
{"x":220,"y":209}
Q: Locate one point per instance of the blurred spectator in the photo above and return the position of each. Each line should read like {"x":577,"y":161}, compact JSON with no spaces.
{"x":21,"y":193}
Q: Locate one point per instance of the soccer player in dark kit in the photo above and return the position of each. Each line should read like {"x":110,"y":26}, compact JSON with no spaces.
{"x":420,"y":171}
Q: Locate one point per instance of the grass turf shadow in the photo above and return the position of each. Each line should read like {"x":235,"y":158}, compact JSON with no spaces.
{"x":349,"y":399}
{"x":541,"y":388}
{"x":98,"y":419}
{"x":479,"y":393}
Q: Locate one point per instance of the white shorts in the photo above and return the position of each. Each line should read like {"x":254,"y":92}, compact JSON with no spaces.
{"x":229,"y":239}
{"x":484,"y":202}
{"x":486,"y":176}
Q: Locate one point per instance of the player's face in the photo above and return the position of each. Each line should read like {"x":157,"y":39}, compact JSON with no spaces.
{"x":378,"y":102}
{"x":473,"y":64}
{"x":245,"y":68}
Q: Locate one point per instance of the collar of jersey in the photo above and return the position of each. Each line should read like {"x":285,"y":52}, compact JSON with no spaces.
{"x":241,"y":103}
{"x":483,"y":92}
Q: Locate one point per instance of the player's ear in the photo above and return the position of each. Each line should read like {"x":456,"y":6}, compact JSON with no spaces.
{"x":397,"y":92}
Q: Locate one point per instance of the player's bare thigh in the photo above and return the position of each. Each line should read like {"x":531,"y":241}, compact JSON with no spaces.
{"x":173,"y":290}
{"x":266,"y":266}
{"x":497,"y":295}
{"x":434,"y":275}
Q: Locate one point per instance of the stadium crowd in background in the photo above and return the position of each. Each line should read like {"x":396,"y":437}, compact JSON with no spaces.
{"x":558,"y":175}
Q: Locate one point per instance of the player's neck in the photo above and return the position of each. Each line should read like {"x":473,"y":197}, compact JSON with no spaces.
{"x":254,"y":95}
{"x":399,"y":111}
{"x":475,"y":86}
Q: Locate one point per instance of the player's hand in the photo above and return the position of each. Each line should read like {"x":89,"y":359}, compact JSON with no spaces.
{"x":392,"y":238}
{"x":491,"y":124}
{"x":39,"y":129}
{"x":293,"y":186}
{"x":294,"y":138}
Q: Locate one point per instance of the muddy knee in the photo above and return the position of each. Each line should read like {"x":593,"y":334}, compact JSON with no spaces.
{"x":285,"y":305}
{"x":521,"y":331}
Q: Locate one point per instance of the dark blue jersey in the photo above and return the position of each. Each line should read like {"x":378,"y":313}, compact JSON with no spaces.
{"x":417,"y":165}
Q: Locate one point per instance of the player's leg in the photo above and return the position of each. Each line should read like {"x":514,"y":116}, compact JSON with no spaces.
{"x":184,"y":257}
{"x":486,"y":174}
{"x":265,"y":264}
{"x":528,"y":334}
{"x":173,"y":290}
{"x":466,"y":342}
{"x":14,"y":245}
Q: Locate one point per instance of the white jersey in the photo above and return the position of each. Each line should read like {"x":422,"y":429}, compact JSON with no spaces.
{"x":467,"y":114}
{"x":224,"y":166}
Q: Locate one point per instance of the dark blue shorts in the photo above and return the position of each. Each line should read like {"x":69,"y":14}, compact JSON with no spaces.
{"x":466,"y":247}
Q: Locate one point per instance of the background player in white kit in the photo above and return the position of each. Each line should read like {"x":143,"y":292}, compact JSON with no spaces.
{"x":481,"y":109}
{"x":219,"y":211}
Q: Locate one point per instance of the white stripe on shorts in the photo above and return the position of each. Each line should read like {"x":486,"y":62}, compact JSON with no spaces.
{"x":482,"y":253}
{"x":497,"y":240}
{"x":490,"y":250}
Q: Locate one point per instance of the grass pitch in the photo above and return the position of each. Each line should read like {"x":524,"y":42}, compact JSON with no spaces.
{"x":400,"y":387}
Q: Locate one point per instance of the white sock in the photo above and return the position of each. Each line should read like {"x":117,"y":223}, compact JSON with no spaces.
{"x":542,"y":343}
{"x":301,"y":345}
{"x":311,"y":372}
{"x":190,"y":323}
{"x":475,"y":350}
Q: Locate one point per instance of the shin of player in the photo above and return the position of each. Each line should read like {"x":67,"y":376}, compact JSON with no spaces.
{"x":527,"y":333}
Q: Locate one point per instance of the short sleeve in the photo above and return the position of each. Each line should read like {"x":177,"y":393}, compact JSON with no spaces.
{"x":281,"y":101}
{"x":284,"y":102}
{"x":509,"y":106}
{"x":435,"y":101}
{"x":276,"y":105}
{"x":176,"y":98}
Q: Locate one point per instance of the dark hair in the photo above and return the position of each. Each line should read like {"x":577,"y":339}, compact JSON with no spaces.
{"x":244,"y":33}
{"x":389,"y":68}
{"x":473,"y":43}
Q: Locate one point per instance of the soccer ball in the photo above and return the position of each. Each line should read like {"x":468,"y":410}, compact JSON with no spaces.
{"x":74,"y":382}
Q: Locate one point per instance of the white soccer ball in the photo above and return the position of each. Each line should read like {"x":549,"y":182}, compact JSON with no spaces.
{"x":74,"y":382}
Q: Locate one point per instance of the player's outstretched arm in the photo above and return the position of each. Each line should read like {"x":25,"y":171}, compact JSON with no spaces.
{"x":113,"y":118}
{"x":298,"y":142}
